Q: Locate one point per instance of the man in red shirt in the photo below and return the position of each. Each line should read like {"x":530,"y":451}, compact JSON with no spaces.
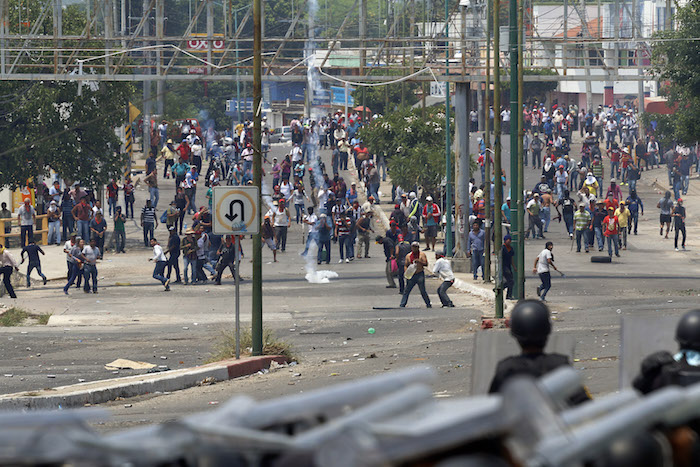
{"x":611,"y":229}
{"x":184,"y":150}
{"x":82,"y":213}
{"x":431,"y":220}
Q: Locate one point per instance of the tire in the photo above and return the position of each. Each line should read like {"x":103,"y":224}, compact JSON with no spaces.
{"x":601,"y":259}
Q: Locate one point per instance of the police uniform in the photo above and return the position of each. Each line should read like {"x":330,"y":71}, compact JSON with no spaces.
{"x":660,"y":369}
{"x":535,"y":365}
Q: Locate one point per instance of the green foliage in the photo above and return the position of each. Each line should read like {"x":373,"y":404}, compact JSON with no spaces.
{"x":13,"y":317}
{"x":676,"y":60}
{"x":48,"y":126}
{"x":415,"y":146}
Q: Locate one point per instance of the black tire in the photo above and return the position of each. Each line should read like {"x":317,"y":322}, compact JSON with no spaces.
{"x":601,"y":259}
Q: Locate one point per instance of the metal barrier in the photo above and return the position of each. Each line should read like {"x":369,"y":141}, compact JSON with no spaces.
{"x":41,"y":219}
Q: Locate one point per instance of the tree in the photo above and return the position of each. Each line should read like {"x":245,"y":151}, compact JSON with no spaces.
{"x":48,"y":126}
{"x":414,"y":146}
{"x":676,"y":60}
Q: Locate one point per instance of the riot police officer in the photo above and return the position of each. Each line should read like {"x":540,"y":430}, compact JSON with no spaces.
{"x":530,"y":326}
{"x":662,"y":369}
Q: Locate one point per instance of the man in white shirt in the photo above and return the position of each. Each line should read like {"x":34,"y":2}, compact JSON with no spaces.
{"x":443,"y":268}
{"x":296,"y":153}
{"x":26,"y":215}
{"x":161,"y":261}
{"x":311,"y":220}
{"x":543,"y":263}
{"x":281,"y":220}
{"x":505,"y":118}
{"x":610,"y":131}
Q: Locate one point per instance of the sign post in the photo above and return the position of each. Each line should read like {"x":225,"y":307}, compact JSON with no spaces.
{"x":236,"y":213}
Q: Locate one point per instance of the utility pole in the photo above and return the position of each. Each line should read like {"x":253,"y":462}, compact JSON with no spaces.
{"x":362,"y":29}
{"x":238,"y":70}
{"x":448,"y":149}
{"x":257,"y":324}
{"x":516,"y":215}
{"x":146,"y":141}
{"x":497,"y":156}
{"x":487,"y":90}
{"x":518,"y":187}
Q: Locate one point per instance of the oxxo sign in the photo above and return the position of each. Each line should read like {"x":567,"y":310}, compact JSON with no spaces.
{"x":235,"y":210}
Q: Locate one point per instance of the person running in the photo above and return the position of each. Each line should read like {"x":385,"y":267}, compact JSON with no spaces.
{"x":636,"y":208}
{"x":267,"y":233}
{"x":161,"y":262}
{"x":417,"y":261}
{"x":443,"y":268}
{"x":543,"y":263}
{"x":227,"y":259}
{"x":33,"y":250}
{"x":679,"y":222}
{"x":7,"y":264}
{"x":666,"y":205}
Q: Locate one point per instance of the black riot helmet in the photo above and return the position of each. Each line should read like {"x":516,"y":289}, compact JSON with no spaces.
{"x":647,"y":449}
{"x":688,"y":331}
{"x":529,"y":323}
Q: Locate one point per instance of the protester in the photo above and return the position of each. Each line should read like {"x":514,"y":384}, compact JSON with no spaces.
{"x":414,"y":263}
{"x":475,"y":249}
{"x":666,"y":205}
{"x":148,"y":222}
{"x":91,"y":253}
{"x":161,"y":261}
{"x":543,"y":263}
{"x":582,"y":220}
{"x":33,"y":250}
{"x":679,"y":223}
{"x":443,"y":268}
{"x":75,"y":260}
{"x":173,"y":251}
{"x":508,"y":253}
{"x":389,"y":257}
{"x":7,"y":265}
{"x":26,"y":217}
{"x":612,"y":230}
{"x":227,"y":259}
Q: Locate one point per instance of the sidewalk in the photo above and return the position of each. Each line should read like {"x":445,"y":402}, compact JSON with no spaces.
{"x":98,"y":392}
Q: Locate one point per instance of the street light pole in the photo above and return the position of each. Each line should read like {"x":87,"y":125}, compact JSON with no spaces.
{"x":448,"y":149}
{"x":257,"y":325}
{"x":497,"y":161}
{"x":516,"y":214}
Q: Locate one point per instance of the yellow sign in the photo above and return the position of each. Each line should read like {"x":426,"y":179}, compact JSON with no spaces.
{"x":133,"y":112}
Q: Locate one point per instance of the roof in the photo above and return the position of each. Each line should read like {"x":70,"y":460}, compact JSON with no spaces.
{"x":594,"y":29}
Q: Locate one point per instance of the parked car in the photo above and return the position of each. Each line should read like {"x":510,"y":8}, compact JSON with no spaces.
{"x":281,"y":135}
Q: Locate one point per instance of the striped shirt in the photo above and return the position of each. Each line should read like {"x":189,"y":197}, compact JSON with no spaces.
{"x":582,"y":219}
{"x":149,"y":215}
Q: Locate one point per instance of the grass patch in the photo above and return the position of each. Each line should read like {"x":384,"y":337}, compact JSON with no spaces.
{"x":225,"y":346}
{"x":13,"y":317}
{"x":43,"y":318}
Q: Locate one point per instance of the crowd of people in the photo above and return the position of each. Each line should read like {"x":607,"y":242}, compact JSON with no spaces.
{"x":587,"y":194}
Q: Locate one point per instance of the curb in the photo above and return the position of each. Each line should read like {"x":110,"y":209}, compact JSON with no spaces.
{"x":98,"y":392}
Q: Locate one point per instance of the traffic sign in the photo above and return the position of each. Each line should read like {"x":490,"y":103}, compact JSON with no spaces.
{"x":235,"y":210}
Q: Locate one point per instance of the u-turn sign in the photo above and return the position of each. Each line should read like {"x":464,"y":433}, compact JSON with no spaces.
{"x":235,"y":210}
